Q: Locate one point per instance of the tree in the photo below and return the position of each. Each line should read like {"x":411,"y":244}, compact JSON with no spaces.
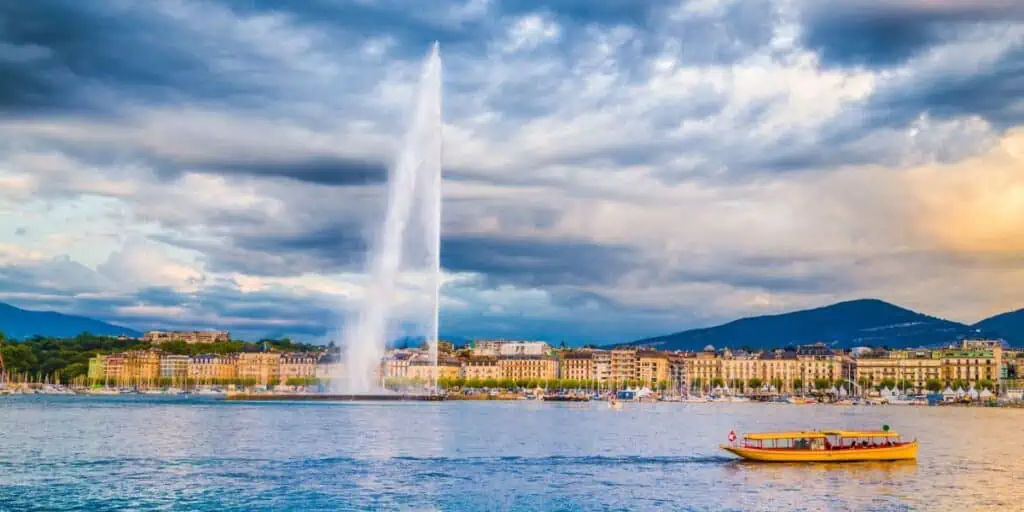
{"x":663,"y":385}
{"x":717,"y":382}
{"x":19,"y":358}
{"x":888,"y":383}
{"x":778,"y":383}
{"x":905,"y":384}
{"x":933,"y":385}
{"x":755,"y":383}
{"x":697,"y":384}
{"x":864,"y":382}
{"x":986,"y":384}
{"x":822,"y":384}
{"x":798,"y":384}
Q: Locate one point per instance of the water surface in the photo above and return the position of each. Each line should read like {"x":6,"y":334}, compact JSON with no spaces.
{"x":146,"y":453}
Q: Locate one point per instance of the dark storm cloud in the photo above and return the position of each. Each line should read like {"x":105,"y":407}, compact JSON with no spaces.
{"x":63,"y":55}
{"x":159,"y":296}
{"x":611,"y":12}
{"x":410,"y":25}
{"x":535,"y":262}
{"x":883,"y":34}
{"x":995,"y":93}
{"x":244,"y":313}
{"x":317,"y":170}
{"x":82,"y":292}
{"x":60,"y":276}
{"x":791,"y":274}
{"x":321,"y":250}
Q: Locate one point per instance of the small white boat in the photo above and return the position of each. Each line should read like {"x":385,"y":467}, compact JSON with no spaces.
{"x":696,"y":399}
{"x":104,"y":391}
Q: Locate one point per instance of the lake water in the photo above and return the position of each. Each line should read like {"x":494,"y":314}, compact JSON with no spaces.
{"x":107,"y":453}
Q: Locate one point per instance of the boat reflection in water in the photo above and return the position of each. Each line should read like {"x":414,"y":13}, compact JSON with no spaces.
{"x":861,"y":471}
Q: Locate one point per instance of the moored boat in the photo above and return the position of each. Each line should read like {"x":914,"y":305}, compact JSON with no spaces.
{"x":823,"y":446}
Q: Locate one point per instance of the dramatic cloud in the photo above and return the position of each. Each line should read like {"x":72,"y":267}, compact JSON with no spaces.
{"x":614,"y":169}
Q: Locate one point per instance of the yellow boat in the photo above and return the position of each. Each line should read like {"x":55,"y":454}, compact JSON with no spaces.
{"x":823,"y":446}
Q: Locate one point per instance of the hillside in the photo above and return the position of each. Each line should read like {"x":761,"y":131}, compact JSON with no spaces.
{"x":19,"y":323}
{"x":846,"y":324}
{"x":1008,"y":326}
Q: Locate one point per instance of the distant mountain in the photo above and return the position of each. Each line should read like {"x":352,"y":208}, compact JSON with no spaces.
{"x":19,"y":323}
{"x":846,"y":324}
{"x":1008,"y":326}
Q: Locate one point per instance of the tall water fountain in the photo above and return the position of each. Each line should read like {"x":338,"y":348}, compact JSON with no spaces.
{"x":409,"y":242}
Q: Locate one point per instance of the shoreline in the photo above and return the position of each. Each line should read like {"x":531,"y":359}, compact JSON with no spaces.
{"x":479,"y":397}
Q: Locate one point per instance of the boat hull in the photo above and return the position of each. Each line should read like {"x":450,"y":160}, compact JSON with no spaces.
{"x":906,"y":451}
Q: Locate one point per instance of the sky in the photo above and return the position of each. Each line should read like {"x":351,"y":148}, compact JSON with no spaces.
{"x":614,"y":169}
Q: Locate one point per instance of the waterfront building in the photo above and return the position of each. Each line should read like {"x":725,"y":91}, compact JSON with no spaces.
{"x":97,"y":368}
{"x":677,"y":376}
{"x":528,"y":367}
{"x":652,"y":368}
{"x":818,"y":362}
{"x":704,"y":370}
{"x":779,"y":369}
{"x":972,"y":363}
{"x":396,"y":365}
{"x":898,"y":368}
{"x":623,"y":366}
{"x":602,"y":366}
{"x":577,"y":365}
{"x":190,"y":337}
{"x":298,"y":365}
{"x":173,"y":366}
{"x":213,"y":368}
{"x":114,"y":369}
{"x":421,"y":368}
{"x":329,"y":366}
{"x":510,"y":348}
{"x":481,"y":367}
{"x":1013,"y":369}
{"x":141,"y":367}
{"x":738,"y":369}
{"x":264,"y":367}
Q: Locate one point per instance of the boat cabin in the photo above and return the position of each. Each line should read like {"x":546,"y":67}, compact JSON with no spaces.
{"x":822,"y":440}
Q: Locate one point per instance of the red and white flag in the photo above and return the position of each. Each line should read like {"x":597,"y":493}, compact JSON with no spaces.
{"x":732,"y":436}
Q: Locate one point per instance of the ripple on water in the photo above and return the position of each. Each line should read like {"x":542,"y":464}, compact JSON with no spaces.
{"x":88,"y":454}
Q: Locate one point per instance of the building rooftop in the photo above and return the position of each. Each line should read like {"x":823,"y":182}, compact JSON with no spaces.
{"x":574,"y":354}
{"x":779,"y":355}
{"x":537,"y":357}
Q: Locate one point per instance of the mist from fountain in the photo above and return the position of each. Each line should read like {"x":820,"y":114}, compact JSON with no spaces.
{"x":409,"y":242}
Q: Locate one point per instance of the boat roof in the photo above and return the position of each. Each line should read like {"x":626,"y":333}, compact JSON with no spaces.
{"x":818,"y":434}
